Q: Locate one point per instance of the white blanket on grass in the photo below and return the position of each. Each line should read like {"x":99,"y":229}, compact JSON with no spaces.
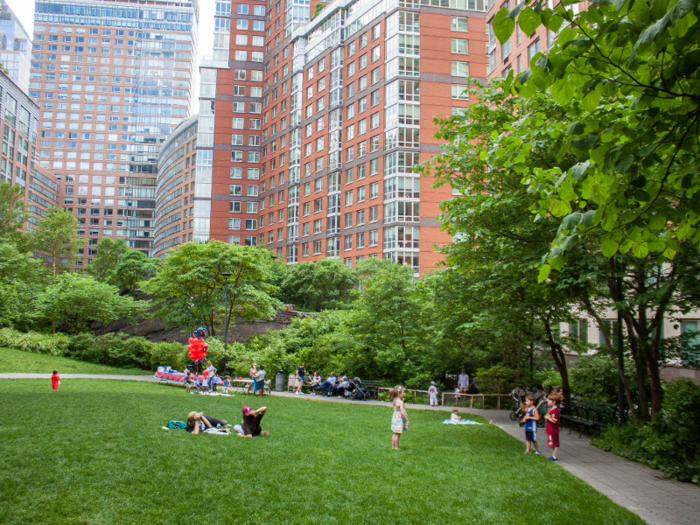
{"x":463,"y":422}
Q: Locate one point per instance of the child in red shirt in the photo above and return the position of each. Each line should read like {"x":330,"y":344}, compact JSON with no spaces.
{"x":55,"y":380}
{"x":552,"y":420}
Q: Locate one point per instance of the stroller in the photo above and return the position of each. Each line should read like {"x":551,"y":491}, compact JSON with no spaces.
{"x":518,"y":399}
{"x":356,"y":389}
{"x":541,"y":407}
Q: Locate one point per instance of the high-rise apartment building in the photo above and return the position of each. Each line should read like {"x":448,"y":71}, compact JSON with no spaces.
{"x":113,"y":79}
{"x":349,"y":104}
{"x":18,"y":164}
{"x":15,"y":47}
{"x":309,"y":129}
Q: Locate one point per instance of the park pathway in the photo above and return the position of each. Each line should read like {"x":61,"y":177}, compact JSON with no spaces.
{"x":644,"y":491}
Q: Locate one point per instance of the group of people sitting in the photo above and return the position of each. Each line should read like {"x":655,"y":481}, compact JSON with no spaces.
{"x":211,"y":380}
{"x":333,"y":385}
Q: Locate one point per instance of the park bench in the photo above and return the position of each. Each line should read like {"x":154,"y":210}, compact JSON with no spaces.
{"x":588,"y":415}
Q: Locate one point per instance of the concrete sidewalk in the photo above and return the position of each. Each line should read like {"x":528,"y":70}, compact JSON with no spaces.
{"x":644,"y":491}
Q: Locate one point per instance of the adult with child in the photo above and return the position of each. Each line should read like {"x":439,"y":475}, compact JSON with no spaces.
{"x":300,"y":379}
{"x":315,"y":383}
{"x":198,"y":422}
{"x":341,"y":384}
{"x":259,"y":381}
{"x":399,"y":420}
{"x":250,"y":426}
{"x":530,"y":420}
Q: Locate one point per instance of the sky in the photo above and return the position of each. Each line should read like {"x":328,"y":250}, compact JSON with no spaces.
{"x":24,"y":9}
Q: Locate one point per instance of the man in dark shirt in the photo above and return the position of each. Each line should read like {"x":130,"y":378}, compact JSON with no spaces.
{"x":251,"y":423}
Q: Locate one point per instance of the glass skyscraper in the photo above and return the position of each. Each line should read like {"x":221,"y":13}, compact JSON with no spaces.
{"x":15,"y":48}
{"x":113,"y":80}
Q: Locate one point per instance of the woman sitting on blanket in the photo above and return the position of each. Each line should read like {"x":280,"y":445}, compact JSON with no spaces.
{"x":197,"y":421}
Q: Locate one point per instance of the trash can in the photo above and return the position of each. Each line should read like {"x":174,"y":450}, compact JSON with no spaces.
{"x":279,"y":384}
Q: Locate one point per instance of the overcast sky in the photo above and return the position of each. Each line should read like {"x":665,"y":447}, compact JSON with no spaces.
{"x":24,"y":9}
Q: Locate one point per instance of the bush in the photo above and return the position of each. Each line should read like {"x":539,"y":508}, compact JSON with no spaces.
{"x":35,"y":342}
{"x":594,"y":378}
{"x":669,"y":443}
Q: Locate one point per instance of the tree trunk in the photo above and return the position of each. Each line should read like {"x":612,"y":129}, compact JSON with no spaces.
{"x":559,"y":358}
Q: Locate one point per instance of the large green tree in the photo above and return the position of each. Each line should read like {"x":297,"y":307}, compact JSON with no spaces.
{"x":105,"y":261}
{"x":75,"y":300}
{"x":56,"y":237}
{"x":319,"y":285}
{"x":189,"y":288}
{"x":22,"y":279}
{"x":133,"y":267}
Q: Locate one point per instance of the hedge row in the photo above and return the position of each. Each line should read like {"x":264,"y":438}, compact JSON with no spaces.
{"x":109,"y":349}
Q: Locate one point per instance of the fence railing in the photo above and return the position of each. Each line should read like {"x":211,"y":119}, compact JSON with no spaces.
{"x":457,"y":396}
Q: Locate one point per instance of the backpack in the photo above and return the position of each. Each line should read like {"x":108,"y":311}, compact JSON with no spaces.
{"x":179,"y":425}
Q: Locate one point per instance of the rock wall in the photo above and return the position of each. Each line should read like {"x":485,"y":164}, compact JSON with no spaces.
{"x":239,"y":329}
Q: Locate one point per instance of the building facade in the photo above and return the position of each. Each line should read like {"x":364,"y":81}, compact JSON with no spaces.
{"x":15,"y":47}
{"x":18,"y":162}
{"x":349,"y":104}
{"x":113,"y":80}
{"x":175,"y":188}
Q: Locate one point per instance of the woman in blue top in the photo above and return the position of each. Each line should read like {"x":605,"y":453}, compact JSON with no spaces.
{"x":300,"y":379}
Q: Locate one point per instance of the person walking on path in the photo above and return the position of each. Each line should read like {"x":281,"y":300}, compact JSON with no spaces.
{"x":55,"y":380}
{"x":552,"y":421}
{"x":300,"y":379}
{"x":463,"y":382}
{"x":433,"y":392}
{"x":399,"y":420}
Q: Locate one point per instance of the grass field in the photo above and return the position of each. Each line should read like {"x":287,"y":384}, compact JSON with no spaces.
{"x":94,"y":453}
{"x":16,"y":361}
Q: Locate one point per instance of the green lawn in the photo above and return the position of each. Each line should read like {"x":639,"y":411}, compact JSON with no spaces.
{"x":94,"y":453}
{"x":16,"y":361}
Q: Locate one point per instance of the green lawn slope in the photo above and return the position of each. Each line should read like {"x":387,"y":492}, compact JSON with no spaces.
{"x":18,"y":362}
{"x":94,"y":453}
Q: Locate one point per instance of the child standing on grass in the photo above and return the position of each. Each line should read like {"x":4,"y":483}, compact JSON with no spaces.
{"x":399,"y":420}
{"x":55,"y":380}
{"x":227,"y":384}
{"x":432,"y":392}
{"x":552,"y":419}
{"x":530,"y":419}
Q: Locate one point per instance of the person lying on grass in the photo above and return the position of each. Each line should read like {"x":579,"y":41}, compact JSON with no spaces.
{"x":250,"y":426}
{"x":198,"y":422}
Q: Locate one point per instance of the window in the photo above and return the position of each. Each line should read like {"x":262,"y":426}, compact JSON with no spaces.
{"x":376,"y":53}
{"x":235,"y":189}
{"x":460,"y":24}
{"x":234,"y":207}
{"x":242,"y":9}
{"x":236,"y":173}
{"x":579,"y":330}
{"x":361,"y":240}
{"x":234,"y":224}
{"x":533,"y":49}
{"x":690,"y":328}
{"x":460,"y":46}
{"x":460,"y":69}
{"x":505,"y":49}
{"x":459,"y":92}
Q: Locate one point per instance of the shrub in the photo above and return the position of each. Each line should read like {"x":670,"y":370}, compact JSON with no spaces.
{"x":669,"y":443}
{"x":35,"y":342}
{"x":594,"y":378}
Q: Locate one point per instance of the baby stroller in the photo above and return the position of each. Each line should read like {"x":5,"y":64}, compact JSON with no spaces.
{"x":518,"y":400}
{"x":356,"y":390}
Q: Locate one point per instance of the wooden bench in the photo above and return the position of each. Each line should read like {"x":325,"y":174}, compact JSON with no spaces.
{"x":588,"y":415}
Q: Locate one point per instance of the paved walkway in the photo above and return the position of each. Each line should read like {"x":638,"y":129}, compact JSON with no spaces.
{"x":644,"y":491}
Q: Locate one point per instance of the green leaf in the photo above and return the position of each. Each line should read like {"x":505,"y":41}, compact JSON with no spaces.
{"x":609,"y":247}
{"x":503,"y":26}
{"x":516,"y":10}
{"x":623,"y":165}
{"x":640,"y":250}
{"x":657,"y":222}
{"x":560,"y":208}
{"x":563,"y":92}
{"x":576,"y":128}
{"x":545,"y":269}
{"x":529,"y":21}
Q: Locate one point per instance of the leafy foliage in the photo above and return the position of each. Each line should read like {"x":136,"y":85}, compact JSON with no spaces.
{"x":189,"y":287}
{"x":133,"y":267}
{"x":105,"y":261}
{"x":75,"y":300}
{"x":320,"y":285}
{"x":13,"y":212}
{"x":22,"y":278}
{"x":55,"y":236}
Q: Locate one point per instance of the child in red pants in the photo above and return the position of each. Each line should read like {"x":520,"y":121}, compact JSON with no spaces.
{"x":55,"y":380}
{"x":552,"y":420}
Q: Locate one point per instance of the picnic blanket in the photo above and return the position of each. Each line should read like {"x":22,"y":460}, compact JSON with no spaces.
{"x":179,"y":377}
{"x":463,"y":422}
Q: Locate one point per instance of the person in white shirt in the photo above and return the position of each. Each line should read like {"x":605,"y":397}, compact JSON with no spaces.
{"x":432,"y":392}
{"x":259,"y":380}
{"x":463,"y":382}
{"x":455,"y":416}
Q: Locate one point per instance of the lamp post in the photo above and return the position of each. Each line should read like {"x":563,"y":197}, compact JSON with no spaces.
{"x":226,"y":275}
{"x":622,"y":413}
{"x":274,"y":260}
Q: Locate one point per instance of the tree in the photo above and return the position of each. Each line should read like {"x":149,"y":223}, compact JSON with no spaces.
{"x":22,"y":279}
{"x":133,"y":267}
{"x":631,"y":69}
{"x":74,"y":300}
{"x":387,"y":321}
{"x":13,"y":211}
{"x":56,"y":236}
{"x":189,"y":288}
{"x":320,"y":285}
{"x":105,"y":261}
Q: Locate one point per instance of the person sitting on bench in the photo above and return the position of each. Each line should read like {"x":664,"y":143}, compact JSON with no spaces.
{"x":329,"y":384}
{"x":315,"y":383}
{"x":251,"y":423}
